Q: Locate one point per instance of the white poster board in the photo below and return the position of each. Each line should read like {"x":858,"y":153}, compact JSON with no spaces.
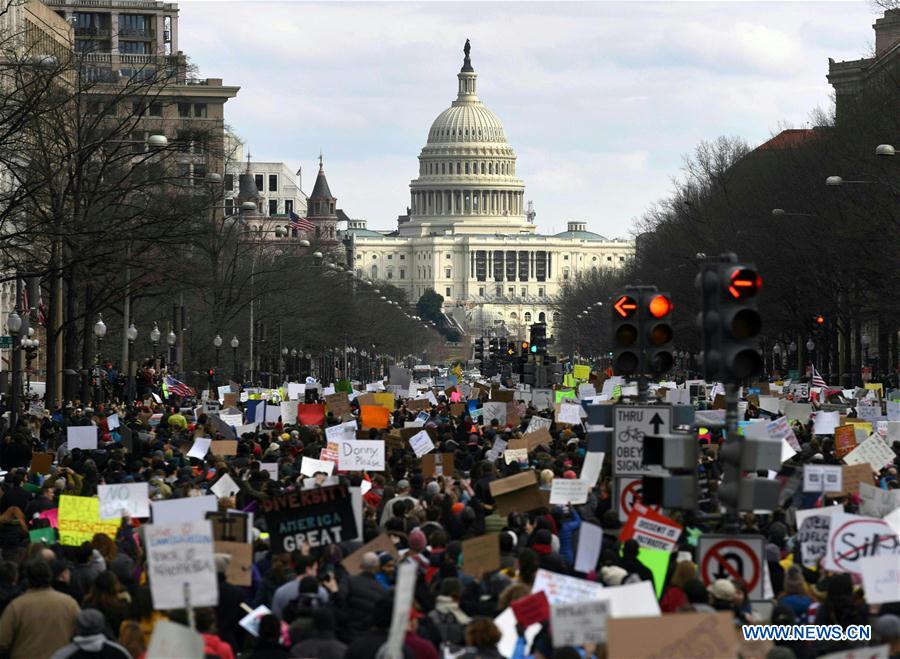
{"x":180,"y":565}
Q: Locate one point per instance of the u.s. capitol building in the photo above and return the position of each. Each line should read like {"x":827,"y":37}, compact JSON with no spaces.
{"x":469,"y":233}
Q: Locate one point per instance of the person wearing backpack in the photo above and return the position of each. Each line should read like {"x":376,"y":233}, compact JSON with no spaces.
{"x":447,"y":616}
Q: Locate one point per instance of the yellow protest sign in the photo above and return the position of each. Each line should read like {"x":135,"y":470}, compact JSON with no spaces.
{"x":875,"y":386}
{"x":569,"y":380}
{"x":581,"y":371}
{"x":79,"y":520}
{"x":865,"y":425}
{"x":385,"y":399}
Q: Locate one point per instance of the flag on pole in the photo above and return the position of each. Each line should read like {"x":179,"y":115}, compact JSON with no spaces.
{"x":817,"y":379}
{"x":301,"y":223}
{"x":175,"y":387}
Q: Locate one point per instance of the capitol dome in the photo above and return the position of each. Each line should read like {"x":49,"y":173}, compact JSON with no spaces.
{"x":467,"y":172}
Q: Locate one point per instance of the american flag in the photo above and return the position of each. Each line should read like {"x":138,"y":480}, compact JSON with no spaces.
{"x":817,"y":379}
{"x":301,"y":223}
{"x":177,"y":387}
{"x":26,"y":305}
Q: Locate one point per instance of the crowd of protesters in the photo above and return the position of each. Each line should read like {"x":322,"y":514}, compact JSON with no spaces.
{"x":94,"y":600}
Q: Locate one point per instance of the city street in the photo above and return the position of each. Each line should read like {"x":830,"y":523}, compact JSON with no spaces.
{"x":580,"y":338}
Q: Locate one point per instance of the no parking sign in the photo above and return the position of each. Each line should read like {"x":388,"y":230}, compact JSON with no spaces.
{"x":628,"y":492}
{"x":735,"y":558}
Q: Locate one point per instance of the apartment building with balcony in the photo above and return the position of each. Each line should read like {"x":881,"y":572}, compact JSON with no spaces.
{"x":136,"y":42}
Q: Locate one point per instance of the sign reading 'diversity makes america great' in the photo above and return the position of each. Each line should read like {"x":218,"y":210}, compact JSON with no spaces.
{"x":319,"y":516}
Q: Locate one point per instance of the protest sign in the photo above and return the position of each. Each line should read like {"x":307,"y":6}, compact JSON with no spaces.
{"x":231,"y":525}
{"x":173,"y":641}
{"x":338,"y":404}
{"x":124,"y":499}
{"x":312,"y":466}
{"x":650,"y":528}
{"x":813,"y":527}
{"x":225,"y":487}
{"x":240,"y":564}
{"x":271,"y":468}
{"x":481,"y":555}
{"x":83,"y":437}
{"x":826,"y":422}
{"x":310,"y":414}
{"x":844,"y":440}
{"x":568,"y":490}
{"x":682,"y":635}
{"x":288,"y":412}
{"x":379,"y":545}
{"x":46,"y":535}
{"x":317,"y":516}
{"x":822,"y":478}
{"x":186,"y":509}
{"x":180,"y":565}
{"x":200,"y":448}
{"x":341,"y":431}
{"x":853,"y":475}
{"x":421,"y":443}
{"x":374,"y":416}
{"x":561,"y":589}
{"x":223,"y":447}
{"x":531,"y":609}
{"x":296,"y":390}
{"x":538,"y":422}
{"x":437,"y":464}
{"x":877,"y":502}
{"x":41,"y":463}
{"x":579,"y":623}
{"x":540,"y":437}
{"x":590,"y":540}
{"x":873,"y":451}
{"x":590,"y":470}
{"x":112,"y":421}
{"x":881,"y":579}
{"x":79,"y":519}
{"x":494,"y":410}
{"x":361,"y":455}
{"x":569,"y":413}
{"x":518,"y":493}
{"x":853,"y":538}
{"x":511,"y":455}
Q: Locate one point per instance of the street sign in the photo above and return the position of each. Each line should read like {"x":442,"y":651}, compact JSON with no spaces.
{"x":632,"y":423}
{"x":628,"y":492}
{"x":5,"y":342}
{"x":731,"y":557}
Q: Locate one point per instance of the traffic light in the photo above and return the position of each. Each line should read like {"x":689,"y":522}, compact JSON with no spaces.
{"x":539,"y":339}
{"x":660,"y":357}
{"x":510,"y":349}
{"x":677,"y":452}
{"x":729,"y":320}
{"x":524,"y":348}
{"x":529,"y":375}
{"x":750,"y":454}
{"x":479,"y":350}
{"x":625,"y":316}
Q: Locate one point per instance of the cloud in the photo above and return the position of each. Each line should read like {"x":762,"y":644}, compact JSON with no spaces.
{"x":599,"y":100}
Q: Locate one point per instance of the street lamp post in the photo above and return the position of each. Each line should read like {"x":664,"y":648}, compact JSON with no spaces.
{"x":284,"y":354}
{"x":217,"y":343}
{"x":131,"y":334}
{"x":811,"y":349}
{"x":234,"y":346}
{"x":171,"y":339}
{"x":14,"y":325}
{"x":154,"y":338}
{"x":99,"y":333}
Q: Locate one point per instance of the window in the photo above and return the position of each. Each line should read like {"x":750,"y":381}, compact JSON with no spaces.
{"x":447,"y":290}
{"x":273,"y":182}
{"x":374,"y":272}
{"x":542,"y":317}
{"x":134,"y":47}
{"x":467,"y":168}
{"x":358,"y":257}
{"x":499,"y":291}
{"x":403,"y":257}
{"x":527,"y":316}
{"x":458,"y":167}
{"x":288,"y":206}
{"x":565,"y":273}
{"x":524,"y":291}
{"x":609,"y":258}
{"x":155,"y":110}
{"x":359,"y":273}
{"x":200,"y":110}
{"x":555,"y":316}
{"x":229,"y":207}
{"x":540,"y":291}
{"x":390,"y":257}
{"x":443,"y":168}
{"x":566,"y":257}
{"x":374,"y":256}
{"x":447,"y":273}
{"x":390,"y":273}
{"x":229,"y":182}
{"x":512,"y":291}
{"x":273,"y":207}
{"x":258,"y":181}
{"x":621,"y":259}
{"x":481,"y":291}
{"x":402,"y":273}
{"x":184,"y":110}
{"x":482,"y":168}
{"x":449,"y":256}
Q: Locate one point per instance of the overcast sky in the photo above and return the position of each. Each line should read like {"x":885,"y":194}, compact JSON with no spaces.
{"x":600,"y":100}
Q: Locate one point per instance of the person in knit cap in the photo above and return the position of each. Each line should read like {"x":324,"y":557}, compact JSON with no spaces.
{"x":418,"y":546}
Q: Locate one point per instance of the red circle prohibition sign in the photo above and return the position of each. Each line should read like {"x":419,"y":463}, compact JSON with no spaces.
{"x":714,"y":553}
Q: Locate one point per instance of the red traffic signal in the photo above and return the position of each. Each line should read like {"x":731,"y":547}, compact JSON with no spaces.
{"x":820,"y":320}
{"x":625,"y":306}
{"x":660,"y":306}
{"x":744,"y":283}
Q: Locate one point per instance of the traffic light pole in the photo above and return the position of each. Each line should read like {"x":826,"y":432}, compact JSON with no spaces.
{"x":732,"y":471}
